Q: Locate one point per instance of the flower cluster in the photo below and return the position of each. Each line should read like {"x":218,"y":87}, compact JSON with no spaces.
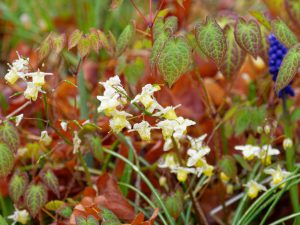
{"x":276,"y":53}
{"x":173,"y":127}
{"x":264,"y":153}
{"x":19,"y":216}
{"x":19,"y":69}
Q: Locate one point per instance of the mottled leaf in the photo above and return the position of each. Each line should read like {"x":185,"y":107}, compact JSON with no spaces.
{"x":17,"y":185}
{"x":158,"y":45}
{"x":293,"y":9}
{"x":94,"y":40}
{"x":171,"y":24}
{"x":108,"y":218}
{"x":283,"y":33}
{"x":35,"y":198}
{"x":9,"y":135}
{"x":134,"y":70}
{"x":74,"y":38}
{"x":228,"y":165}
{"x":288,"y":68}
{"x":248,"y":36}
{"x":174,"y":59}
{"x":234,"y":56}
{"x":125,"y":39}
{"x":264,"y":50}
{"x":44,"y":48}
{"x":158,"y":27}
{"x":58,"y":42}
{"x":103,"y":40}
{"x":6,"y":160}
{"x":90,"y":220}
{"x":84,"y":46}
{"x":65,"y":211}
{"x":211,"y":40}
{"x":51,"y":181}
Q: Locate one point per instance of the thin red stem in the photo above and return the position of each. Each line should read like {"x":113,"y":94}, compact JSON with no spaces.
{"x":138,"y":11}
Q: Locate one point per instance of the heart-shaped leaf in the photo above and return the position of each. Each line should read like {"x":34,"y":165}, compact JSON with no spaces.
{"x":108,"y":218}
{"x":158,"y":45}
{"x":44,"y":48}
{"x":84,"y":46}
{"x":211,"y":40}
{"x":17,"y":186}
{"x":6,"y":160}
{"x":35,"y":198}
{"x":90,"y":220}
{"x":54,"y":205}
{"x":171,"y":24}
{"x":293,"y":9}
{"x":125,"y":39}
{"x":234,"y":56}
{"x":174,"y":59}
{"x":248,"y":36}
{"x":158,"y":27}
{"x":94,"y":40}
{"x":51,"y":181}
{"x":9,"y":135}
{"x":74,"y":38}
{"x":58,"y":42}
{"x":283,"y":33}
{"x":288,"y":68}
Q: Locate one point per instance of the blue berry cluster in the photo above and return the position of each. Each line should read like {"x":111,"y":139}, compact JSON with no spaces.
{"x":276,"y":53}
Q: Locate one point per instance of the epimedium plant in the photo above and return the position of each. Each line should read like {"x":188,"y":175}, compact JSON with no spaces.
{"x":227,"y":41}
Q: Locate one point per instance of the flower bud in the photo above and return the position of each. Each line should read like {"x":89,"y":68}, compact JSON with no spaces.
{"x":267,"y":129}
{"x":287,"y":143}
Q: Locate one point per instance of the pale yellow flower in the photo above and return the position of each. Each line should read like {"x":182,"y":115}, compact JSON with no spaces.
{"x":119,"y":121}
{"x":254,"y":188}
{"x":21,"y":216}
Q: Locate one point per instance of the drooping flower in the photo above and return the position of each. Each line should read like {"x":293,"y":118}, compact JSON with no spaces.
{"x":113,"y":87}
{"x":278,"y":175}
{"x":17,"y":70}
{"x":45,"y":138}
{"x":183,"y":172}
{"x":254,"y":188}
{"x":196,"y":155}
{"x":266,"y":152}
{"x":168,"y":161}
{"x":248,"y":151}
{"x":167,"y":113}
{"x":119,"y":121}
{"x":19,"y":216}
{"x":38,"y":78}
{"x":32,"y":91}
{"x":146,"y":97}
{"x":108,"y":104}
{"x":144,"y":130}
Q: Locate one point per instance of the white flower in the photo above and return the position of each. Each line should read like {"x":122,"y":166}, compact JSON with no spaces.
{"x":195,"y":155}
{"x":182,"y":172}
{"x":17,"y":70}
{"x":144,"y":130}
{"x":266,"y":152}
{"x":45,"y":138}
{"x":113,"y":87}
{"x":278,"y":175}
{"x":38,"y":78}
{"x":168,"y":161}
{"x":119,"y":121}
{"x":64,"y":125}
{"x":287,"y":143}
{"x":12,"y":76}
{"x":32,"y":91}
{"x":108,"y":105}
{"x":181,"y":128}
{"x":248,"y":151}
{"x":197,"y":143}
{"x":146,"y":97}
{"x":168,"y":127}
{"x":76,"y":143}
{"x":18,"y":119}
{"x":21,"y":216}
{"x":167,"y":113}
{"x":254,"y":188}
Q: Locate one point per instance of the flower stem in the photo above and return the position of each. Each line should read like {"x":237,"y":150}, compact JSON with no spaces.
{"x":290,"y":153}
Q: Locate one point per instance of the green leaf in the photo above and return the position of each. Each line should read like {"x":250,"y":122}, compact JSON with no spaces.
{"x":35,"y":198}
{"x":3,"y":221}
{"x":174,"y":59}
{"x":65,"y":211}
{"x":95,"y":144}
{"x":283,"y":33}
{"x":54,"y":205}
{"x":211,"y":40}
{"x":295,"y":115}
{"x":17,"y":185}
{"x":125,"y":39}
{"x":171,"y":24}
{"x":6,"y":160}
{"x":90,"y":220}
{"x":288,"y":68}
{"x":84,"y":46}
{"x":74,"y":39}
{"x":234,"y":56}
{"x":158,"y":27}
{"x":158,"y":45}
{"x":248,"y":36}
{"x":242,"y":121}
{"x":44,"y":48}
{"x":228,"y":165}
{"x":108,"y":218}
{"x":103,"y":40}
{"x":293,"y":9}
{"x":242,"y":162}
{"x":134,"y":70}
{"x":58,"y":42}
{"x":264,"y":50}
{"x":9,"y":135}
{"x":262,"y":19}
{"x":51,"y":181}
{"x":174,"y":204}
